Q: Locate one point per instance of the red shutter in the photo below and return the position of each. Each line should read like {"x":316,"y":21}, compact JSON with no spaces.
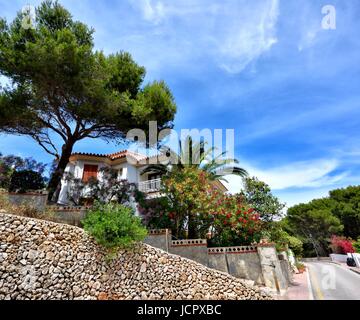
{"x":90,"y":171}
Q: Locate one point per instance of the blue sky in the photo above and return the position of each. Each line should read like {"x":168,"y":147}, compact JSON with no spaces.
{"x":265,"y":68}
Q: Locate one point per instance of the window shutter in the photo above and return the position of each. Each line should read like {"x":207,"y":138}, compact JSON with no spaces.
{"x":90,"y":171}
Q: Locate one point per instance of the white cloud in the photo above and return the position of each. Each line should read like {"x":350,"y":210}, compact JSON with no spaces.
{"x":156,"y":11}
{"x":306,"y":174}
{"x":309,"y":23}
{"x":249,"y":36}
{"x":308,"y":39}
{"x":233,"y":34}
{"x":152,"y":11}
{"x":309,"y":26}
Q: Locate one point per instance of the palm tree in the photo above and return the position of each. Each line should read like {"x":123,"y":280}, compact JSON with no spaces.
{"x":195,"y":155}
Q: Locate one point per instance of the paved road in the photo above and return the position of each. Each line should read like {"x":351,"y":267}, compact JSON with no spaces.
{"x":333,"y":282}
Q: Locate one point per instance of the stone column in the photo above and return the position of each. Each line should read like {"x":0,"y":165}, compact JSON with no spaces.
{"x":159,"y":239}
{"x":271,"y":268}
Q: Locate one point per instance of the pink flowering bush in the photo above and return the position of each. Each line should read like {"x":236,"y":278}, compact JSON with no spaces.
{"x":341,"y":245}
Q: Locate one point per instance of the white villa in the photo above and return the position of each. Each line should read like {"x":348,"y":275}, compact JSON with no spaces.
{"x":130,"y":166}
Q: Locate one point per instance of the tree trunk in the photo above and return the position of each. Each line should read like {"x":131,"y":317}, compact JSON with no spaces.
{"x":192,"y":234}
{"x":54,"y":185}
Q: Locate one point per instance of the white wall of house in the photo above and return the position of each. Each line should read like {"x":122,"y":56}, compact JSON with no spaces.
{"x":63,"y":195}
{"x":133,"y":173}
{"x":129,"y":172}
{"x":76,"y":170}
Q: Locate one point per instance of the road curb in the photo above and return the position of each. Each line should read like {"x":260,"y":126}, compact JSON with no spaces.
{"x":342,"y":266}
{"x":354,"y":270}
{"x":310,"y":289}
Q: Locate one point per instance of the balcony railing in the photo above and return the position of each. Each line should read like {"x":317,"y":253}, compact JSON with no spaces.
{"x":150,"y":186}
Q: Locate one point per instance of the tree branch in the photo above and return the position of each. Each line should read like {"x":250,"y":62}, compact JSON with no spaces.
{"x":55,"y":106}
{"x":57,"y":130}
{"x":43,"y":144}
{"x":100,"y":129}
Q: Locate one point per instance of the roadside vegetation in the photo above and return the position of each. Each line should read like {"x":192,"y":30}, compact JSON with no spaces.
{"x":327,"y":225}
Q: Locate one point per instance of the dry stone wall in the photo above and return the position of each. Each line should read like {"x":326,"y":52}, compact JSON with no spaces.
{"x":44,"y":260}
{"x":259,"y":263}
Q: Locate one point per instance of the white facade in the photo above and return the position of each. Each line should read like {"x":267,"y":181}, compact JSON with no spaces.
{"x":128,"y":170}
{"x":129,"y":166}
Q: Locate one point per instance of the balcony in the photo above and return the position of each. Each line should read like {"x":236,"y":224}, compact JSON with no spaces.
{"x":150,"y":186}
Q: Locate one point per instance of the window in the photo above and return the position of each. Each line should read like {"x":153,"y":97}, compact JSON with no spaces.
{"x":120,"y":174}
{"x":154,"y":177}
{"x":90,"y":171}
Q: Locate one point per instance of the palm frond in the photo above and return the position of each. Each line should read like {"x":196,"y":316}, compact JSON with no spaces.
{"x":212,"y":167}
{"x":221,"y":157}
{"x":194,"y":155}
{"x":219,"y":177}
{"x":241,"y":172}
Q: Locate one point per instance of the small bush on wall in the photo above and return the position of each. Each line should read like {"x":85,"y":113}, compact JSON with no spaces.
{"x":114,"y":226}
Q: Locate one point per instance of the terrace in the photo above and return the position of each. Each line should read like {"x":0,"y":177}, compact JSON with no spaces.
{"x":150,"y":186}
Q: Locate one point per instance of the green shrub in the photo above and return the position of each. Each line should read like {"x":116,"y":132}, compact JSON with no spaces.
{"x":27,"y":180}
{"x":296,"y":246}
{"x":283,"y":239}
{"x":114,"y":226}
{"x":356,"y":245}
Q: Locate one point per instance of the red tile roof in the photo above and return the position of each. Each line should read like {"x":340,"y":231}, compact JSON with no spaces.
{"x":113,"y":156}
